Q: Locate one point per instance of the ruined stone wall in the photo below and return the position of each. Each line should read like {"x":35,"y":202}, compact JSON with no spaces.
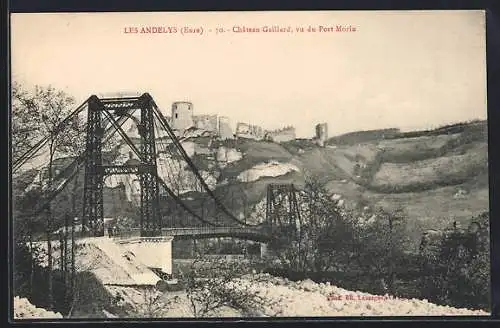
{"x":281,"y":135}
{"x":250,"y":131}
{"x":206,"y":122}
{"x":225,"y":131}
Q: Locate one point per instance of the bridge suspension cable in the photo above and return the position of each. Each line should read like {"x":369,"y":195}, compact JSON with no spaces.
{"x":173,"y":148}
{"x":77,"y":164}
{"x":185,"y":156}
{"x":53,"y":193}
{"x":41,"y":143}
{"x":183,"y":204}
{"x":109,"y":133}
{"x":163,"y":147}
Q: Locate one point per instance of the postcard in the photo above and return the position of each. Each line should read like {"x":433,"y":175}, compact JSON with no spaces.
{"x":249,"y":164}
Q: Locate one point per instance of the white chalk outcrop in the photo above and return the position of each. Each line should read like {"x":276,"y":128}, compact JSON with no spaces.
{"x":271,"y":169}
{"x":228,"y":155}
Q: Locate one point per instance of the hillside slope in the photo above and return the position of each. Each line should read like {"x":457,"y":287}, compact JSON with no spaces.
{"x":436,"y":177}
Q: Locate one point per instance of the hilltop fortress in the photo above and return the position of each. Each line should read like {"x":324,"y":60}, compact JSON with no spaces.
{"x":183,"y":119}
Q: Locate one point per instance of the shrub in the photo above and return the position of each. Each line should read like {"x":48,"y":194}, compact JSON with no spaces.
{"x":211,"y":284}
{"x":457,"y":271}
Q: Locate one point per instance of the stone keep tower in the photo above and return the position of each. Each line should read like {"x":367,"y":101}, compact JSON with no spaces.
{"x":182,"y":115}
{"x":321,"y":133}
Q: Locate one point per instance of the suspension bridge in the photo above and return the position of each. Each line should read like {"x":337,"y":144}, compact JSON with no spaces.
{"x":183,"y":208}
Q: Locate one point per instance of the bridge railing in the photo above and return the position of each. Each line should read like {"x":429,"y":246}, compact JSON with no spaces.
{"x":126,"y":233}
{"x":135,"y":232}
{"x":129,"y":233}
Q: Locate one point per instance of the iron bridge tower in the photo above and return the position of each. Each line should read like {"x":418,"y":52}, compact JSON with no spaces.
{"x":282,"y":208}
{"x":115,"y":111}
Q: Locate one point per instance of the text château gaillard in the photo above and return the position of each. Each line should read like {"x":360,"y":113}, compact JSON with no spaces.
{"x":277,"y":28}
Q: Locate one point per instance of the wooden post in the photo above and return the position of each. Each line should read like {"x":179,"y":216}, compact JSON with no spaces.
{"x":61,"y":246}
{"x":66,"y":227}
{"x":73,"y":277}
{"x":50,"y":294}
{"x":62,"y":260}
{"x":32,"y":269}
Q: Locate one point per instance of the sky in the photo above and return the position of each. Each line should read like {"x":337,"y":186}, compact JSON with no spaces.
{"x":410,"y":70}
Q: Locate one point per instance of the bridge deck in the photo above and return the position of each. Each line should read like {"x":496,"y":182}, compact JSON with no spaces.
{"x":256,"y":234}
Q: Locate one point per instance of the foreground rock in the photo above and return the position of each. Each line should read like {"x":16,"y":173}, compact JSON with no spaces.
{"x":23,"y":309}
{"x":281,"y":298}
{"x":285,"y":298}
{"x":307,"y":298}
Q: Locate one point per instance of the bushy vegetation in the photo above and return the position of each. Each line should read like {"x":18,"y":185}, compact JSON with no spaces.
{"x":457,"y":270}
{"x":371,"y":257}
{"x":474,"y":126}
{"x":471,"y":128}
{"x":210,"y":284}
{"x":297,"y":145}
{"x":353,"y":138}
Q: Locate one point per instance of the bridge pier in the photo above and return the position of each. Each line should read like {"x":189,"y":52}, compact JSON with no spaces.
{"x":153,"y":252}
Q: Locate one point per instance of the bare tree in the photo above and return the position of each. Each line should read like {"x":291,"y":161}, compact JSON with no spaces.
{"x":323,"y":236}
{"x":153,"y":305}
{"x":380,"y":245}
{"x":41,"y":113}
{"x":23,"y":126}
{"x":213,"y":283}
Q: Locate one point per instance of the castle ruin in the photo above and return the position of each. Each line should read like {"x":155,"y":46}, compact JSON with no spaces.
{"x":182,"y":116}
{"x":321,"y":134}
{"x":206,"y":122}
{"x":183,"y":119}
{"x":225,"y":131}
{"x":281,"y":135}
{"x":245,"y":130}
